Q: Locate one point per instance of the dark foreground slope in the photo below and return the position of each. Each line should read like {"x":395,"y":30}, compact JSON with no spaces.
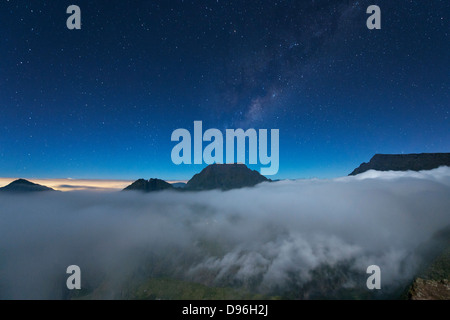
{"x":433,"y":282}
{"x":404,"y":162}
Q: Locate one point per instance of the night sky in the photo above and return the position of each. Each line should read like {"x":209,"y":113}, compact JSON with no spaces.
{"x":103,"y":101}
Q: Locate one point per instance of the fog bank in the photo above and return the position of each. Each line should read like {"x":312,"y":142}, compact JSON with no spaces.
{"x":264,"y":238}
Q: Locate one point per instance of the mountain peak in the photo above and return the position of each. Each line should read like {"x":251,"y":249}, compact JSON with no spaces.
{"x":225,"y":177}
{"x":22,"y":185}
{"x":149,"y":185}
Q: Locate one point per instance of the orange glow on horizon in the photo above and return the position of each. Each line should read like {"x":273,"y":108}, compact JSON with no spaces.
{"x":78,"y":184}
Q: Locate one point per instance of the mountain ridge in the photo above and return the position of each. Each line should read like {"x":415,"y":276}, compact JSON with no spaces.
{"x":225,"y":177}
{"x":404,"y":162}
{"x":151,"y":185}
{"x":24,"y":186}
{"x":215,"y":176}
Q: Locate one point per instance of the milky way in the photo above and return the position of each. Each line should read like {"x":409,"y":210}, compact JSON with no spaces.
{"x":102,"y":102}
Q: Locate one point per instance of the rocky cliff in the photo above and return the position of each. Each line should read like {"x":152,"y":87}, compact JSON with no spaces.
{"x":404,"y":162}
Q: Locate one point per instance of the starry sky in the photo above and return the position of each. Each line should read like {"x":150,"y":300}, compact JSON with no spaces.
{"x":103,"y":101}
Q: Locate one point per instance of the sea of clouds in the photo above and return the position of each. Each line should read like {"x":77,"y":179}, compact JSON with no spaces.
{"x":262,"y":235}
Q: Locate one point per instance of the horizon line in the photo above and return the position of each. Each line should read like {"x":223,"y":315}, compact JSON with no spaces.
{"x":71,"y":184}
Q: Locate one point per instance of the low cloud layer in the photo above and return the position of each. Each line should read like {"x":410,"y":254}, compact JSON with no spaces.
{"x":267,"y":238}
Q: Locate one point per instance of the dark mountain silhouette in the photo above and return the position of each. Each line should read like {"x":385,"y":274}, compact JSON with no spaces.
{"x":225,"y":177}
{"x":22,"y":186}
{"x":404,"y":162}
{"x":149,"y":186}
{"x":216,"y":176}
